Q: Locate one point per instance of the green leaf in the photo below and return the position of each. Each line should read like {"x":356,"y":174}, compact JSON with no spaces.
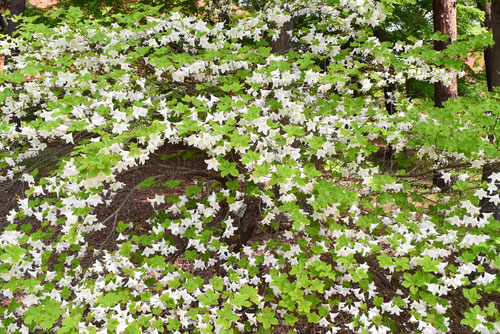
{"x":227,"y":167}
{"x":209,"y":297}
{"x":428,"y":264}
{"x":438,"y":36}
{"x":267,"y":318}
{"x":193,"y":190}
{"x":121,"y":227}
{"x":217,"y":283}
{"x":290,"y":319}
{"x":146,"y":183}
{"x":192,"y":284}
{"x":70,"y":324}
{"x":226,"y":317}
{"x":472,"y":295}
{"x":190,"y":254}
{"x":172,"y":183}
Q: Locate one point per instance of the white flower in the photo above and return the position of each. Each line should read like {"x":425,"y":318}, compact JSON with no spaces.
{"x":495,"y":199}
{"x":311,"y":77}
{"x":158,"y":199}
{"x":199,"y":264}
{"x":471,"y":208}
{"x":139,"y":112}
{"x":212,"y":164}
{"x":471,"y":239}
{"x":446,"y":177}
{"x":495,"y":177}
{"x":179,"y":75}
{"x":323,"y":322}
{"x":229,"y":231}
{"x":366,"y":85}
{"x":486,"y":279}
{"x":480,"y":193}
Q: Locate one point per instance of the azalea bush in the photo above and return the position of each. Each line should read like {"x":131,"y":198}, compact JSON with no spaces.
{"x":291,"y":222}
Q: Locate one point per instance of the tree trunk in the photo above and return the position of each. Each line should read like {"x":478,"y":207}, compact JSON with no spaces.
{"x":16,"y":7}
{"x":484,"y":5}
{"x":284,"y":42}
{"x":492,"y":67}
{"x":495,"y":58}
{"x":445,"y":21}
{"x":389,"y":92}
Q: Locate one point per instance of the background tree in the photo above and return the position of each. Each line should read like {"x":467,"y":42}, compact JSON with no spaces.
{"x":485,"y":6}
{"x":492,"y":68}
{"x":16,"y":8}
{"x":495,"y":64}
{"x":445,"y":22}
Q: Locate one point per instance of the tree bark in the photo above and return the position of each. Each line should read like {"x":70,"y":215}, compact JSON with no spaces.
{"x":492,"y":67}
{"x":445,"y":21}
{"x":495,"y":58}
{"x":484,"y":5}
{"x":284,"y":42}
{"x":16,"y":7}
{"x":389,"y":91}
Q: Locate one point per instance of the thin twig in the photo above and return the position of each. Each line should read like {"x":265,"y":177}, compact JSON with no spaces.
{"x":433,"y":170}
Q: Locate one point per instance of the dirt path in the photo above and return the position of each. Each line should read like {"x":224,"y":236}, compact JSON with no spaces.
{"x":36,"y":3}
{"x":43,"y":3}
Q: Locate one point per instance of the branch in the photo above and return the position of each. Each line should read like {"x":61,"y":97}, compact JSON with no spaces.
{"x":433,"y":170}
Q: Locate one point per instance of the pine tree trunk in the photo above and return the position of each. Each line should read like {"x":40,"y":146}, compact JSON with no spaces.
{"x":445,"y":21}
{"x":492,"y":67}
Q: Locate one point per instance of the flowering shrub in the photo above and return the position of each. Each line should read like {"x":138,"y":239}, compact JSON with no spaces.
{"x":290,"y":224}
